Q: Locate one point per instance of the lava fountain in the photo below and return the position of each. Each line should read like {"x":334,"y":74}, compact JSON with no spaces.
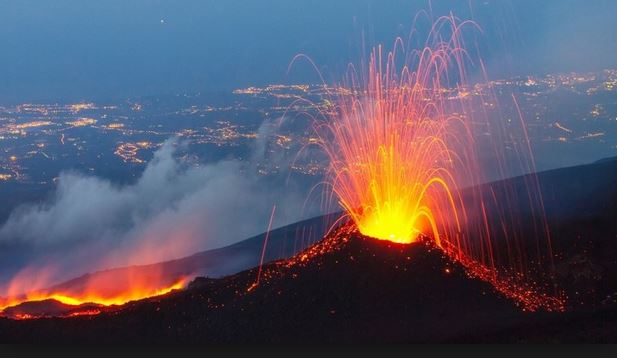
{"x":397,"y":149}
{"x":403,"y":147}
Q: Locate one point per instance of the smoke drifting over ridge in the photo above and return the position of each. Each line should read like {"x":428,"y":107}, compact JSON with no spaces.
{"x":171,"y":211}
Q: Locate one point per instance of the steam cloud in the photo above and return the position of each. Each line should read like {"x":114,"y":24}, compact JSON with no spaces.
{"x":171,"y":211}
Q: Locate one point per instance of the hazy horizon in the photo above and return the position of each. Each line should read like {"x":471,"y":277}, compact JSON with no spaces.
{"x":73,"y":50}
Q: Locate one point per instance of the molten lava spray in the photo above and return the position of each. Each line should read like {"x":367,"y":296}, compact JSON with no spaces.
{"x":397,"y":149}
{"x":401,"y":139}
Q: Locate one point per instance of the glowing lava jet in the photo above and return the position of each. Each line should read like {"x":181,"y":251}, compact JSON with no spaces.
{"x":396,"y":146}
{"x":402,"y":139}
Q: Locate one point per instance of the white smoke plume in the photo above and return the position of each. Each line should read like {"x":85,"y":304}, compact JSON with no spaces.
{"x":171,"y":211}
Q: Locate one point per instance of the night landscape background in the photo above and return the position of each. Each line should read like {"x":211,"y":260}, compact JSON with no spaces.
{"x":163,"y":177}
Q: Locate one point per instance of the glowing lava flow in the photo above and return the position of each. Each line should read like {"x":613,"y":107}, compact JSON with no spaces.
{"x":98,"y":298}
{"x":402,"y":145}
{"x":104,"y":290}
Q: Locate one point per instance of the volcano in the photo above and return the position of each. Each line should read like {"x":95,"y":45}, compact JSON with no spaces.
{"x":348,"y":287}
{"x":352,"y":288}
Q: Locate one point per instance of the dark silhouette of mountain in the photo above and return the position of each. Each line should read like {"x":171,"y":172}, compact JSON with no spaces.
{"x":342,"y":289}
{"x":349,"y":288}
{"x":604,"y":160}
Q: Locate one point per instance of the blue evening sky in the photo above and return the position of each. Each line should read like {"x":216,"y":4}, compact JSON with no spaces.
{"x":92,"y":49}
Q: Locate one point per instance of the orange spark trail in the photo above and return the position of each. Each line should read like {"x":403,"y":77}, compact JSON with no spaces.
{"x":263,"y":250}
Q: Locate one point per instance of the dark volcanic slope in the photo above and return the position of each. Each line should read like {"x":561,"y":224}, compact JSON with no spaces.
{"x":580,"y":204}
{"x":283,"y":243}
{"x":364,"y":290}
{"x":355,"y":289}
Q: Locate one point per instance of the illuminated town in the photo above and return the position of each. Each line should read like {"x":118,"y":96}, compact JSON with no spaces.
{"x":75,"y":136}
{"x":570,"y":118}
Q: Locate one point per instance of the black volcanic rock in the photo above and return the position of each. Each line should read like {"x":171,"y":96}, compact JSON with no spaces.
{"x":347,"y":288}
{"x":580,"y":204}
{"x":343,"y":289}
{"x":364,"y":290}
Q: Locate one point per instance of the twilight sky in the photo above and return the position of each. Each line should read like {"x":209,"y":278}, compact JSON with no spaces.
{"x":89,"y":49}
